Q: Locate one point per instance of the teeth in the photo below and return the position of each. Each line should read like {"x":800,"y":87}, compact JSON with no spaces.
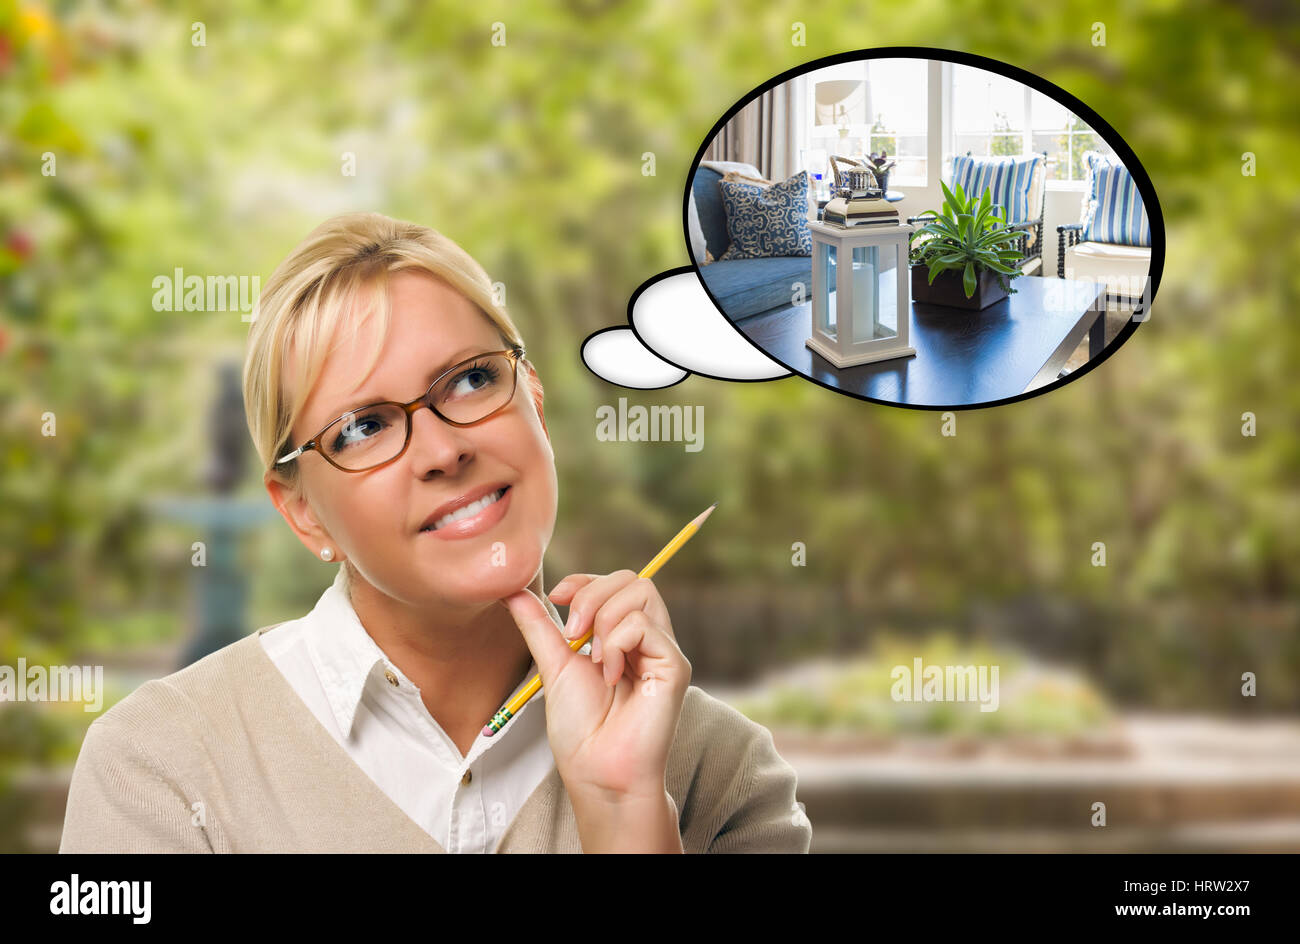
{"x":469,"y":511}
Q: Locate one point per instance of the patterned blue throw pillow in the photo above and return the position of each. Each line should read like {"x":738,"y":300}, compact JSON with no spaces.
{"x":1114,"y":212}
{"x":767,"y":221}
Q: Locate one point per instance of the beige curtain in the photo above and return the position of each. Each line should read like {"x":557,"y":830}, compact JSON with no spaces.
{"x":763,"y":133}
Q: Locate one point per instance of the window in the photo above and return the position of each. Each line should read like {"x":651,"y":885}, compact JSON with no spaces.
{"x":994,"y":115}
{"x":856,"y":108}
{"x":988,"y":113}
{"x":865,"y":108}
{"x":1065,"y":137}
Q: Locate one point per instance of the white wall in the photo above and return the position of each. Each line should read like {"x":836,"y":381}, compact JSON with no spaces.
{"x":1062,"y":207}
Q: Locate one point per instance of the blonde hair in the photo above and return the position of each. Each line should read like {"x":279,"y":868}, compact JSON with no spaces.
{"x":308,"y":301}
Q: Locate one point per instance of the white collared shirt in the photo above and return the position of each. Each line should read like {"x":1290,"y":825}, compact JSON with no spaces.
{"x":376,"y":714}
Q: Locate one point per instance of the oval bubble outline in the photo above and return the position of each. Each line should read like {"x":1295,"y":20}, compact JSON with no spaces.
{"x":1099,"y":125}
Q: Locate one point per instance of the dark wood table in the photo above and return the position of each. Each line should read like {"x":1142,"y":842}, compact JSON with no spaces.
{"x":963,"y":358}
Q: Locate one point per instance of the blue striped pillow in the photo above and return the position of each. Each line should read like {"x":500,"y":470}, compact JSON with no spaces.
{"x":1008,"y":180}
{"x":1113,"y":212}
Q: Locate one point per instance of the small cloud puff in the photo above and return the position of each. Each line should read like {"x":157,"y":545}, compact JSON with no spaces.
{"x":675,"y":331}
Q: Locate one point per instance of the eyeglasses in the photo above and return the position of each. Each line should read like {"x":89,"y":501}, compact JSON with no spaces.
{"x":375,"y":435}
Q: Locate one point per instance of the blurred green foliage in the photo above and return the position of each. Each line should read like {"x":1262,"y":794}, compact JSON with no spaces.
{"x":856,"y":695}
{"x":218,"y":158}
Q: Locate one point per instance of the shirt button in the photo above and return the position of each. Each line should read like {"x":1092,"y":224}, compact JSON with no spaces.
{"x":466,"y":779}
{"x":392,"y":679}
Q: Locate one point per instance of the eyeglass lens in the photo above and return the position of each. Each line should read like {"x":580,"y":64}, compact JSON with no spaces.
{"x":377,"y":434}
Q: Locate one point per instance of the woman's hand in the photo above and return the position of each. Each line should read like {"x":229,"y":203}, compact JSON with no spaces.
{"x":610,"y":718}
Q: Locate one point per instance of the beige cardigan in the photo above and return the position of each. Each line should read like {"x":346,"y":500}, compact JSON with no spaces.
{"x":223,"y":756}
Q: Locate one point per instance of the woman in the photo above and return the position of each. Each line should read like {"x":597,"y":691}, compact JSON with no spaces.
{"x":404,"y":441}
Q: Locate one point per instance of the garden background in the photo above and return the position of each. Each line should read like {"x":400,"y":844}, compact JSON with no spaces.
{"x":530,"y":153}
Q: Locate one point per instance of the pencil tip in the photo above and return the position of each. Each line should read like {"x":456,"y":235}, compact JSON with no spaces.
{"x":699,"y":520}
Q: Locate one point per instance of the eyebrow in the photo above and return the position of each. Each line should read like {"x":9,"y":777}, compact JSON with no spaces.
{"x":464,"y":353}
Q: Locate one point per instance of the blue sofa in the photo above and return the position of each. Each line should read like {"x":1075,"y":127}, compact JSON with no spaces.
{"x":743,"y":287}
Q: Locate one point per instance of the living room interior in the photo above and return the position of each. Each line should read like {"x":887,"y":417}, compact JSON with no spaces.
{"x":917,"y":122}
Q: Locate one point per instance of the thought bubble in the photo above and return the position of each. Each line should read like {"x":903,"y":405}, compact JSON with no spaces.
{"x":675,"y":330}
{"x":856,"y":286}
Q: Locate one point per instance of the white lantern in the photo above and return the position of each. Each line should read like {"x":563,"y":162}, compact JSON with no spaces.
{"x":861,"y":310}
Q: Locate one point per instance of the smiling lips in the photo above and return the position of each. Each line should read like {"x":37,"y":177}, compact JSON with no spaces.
{"x":471,"y":518}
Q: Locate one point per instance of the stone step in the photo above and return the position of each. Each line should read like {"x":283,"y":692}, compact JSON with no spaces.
{"x":936,"y":804}
{"x":1173,"y":772}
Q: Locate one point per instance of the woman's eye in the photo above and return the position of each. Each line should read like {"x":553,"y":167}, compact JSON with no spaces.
{"x":358,"y":430}
{"x":474,"y":379}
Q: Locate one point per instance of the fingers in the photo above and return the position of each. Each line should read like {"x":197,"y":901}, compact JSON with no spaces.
{"x":637,"y":594}
{"x":636,"y":603}
{"x":613,"y":602}
{"x":591,"y":598}
{"x":622,"y":639}
{"x":640,"y":645}
{"x":567,"y":587}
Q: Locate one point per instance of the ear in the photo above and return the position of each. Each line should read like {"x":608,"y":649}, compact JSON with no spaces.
{"x":291,"y":503}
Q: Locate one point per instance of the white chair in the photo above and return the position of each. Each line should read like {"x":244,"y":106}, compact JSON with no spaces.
{"x":1124,"y":269}
{"x":1122,"y":266}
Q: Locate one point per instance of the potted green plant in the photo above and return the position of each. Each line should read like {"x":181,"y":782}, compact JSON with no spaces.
{"x":880,"y":165}
{"x":965,"y":256}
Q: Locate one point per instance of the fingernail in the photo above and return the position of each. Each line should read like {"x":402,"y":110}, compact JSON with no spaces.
{"x":595,"y":649}
{"x":571,"y":624}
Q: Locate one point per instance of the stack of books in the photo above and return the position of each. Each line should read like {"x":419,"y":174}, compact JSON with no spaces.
{"x":859,"y":211}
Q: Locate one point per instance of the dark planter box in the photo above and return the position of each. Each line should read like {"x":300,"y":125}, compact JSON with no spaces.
{"x":947,"y":289}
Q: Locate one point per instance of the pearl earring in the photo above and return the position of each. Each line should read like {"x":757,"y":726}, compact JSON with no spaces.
{"x":326,"y":554}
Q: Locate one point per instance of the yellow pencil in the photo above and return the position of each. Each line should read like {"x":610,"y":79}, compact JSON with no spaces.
{"x":532,"y":688}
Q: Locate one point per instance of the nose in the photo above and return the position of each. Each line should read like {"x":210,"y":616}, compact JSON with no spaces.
{"x":436,"y":445}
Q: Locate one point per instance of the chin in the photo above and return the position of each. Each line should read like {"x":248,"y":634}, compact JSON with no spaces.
{"x":487,"y":581}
